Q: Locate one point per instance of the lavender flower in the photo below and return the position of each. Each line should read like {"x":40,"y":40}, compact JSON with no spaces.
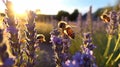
{"x":80,"y":60}
{"x":66,"y":34}
{"x":4,"y":54}
{"x":55,"y":36}
{"x":112,"y":23}
{"x":61,"y":40}
{"x":84,"y":58}
{"x":12,"y":29}
{"x":57,"y":46}
{"x":91,"y":46}
{"x":87,"y":41}
{"x":67,"y":63}
{"x":31,"y":39}
{"x":9,"y":62}
{"x":112,"y":28}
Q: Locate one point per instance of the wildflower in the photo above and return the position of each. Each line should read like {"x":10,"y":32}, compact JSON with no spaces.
{"x":12,"y":30}
{"x":31,"y":16}
{"x":86,"y":35}
{"x":31,"y":37}
{"x":57,"y":46}
{"x":87,"y":40}
{"x":91,"y":46}
{"x":66,"y":44}
{"x":30,"y":27}
{"x":57,"y":41}
{"x":9,"y":62}
{"x":4,"y":55}
{"x":112,"y":18}
{"x":55,"y":36}
{"x":61,"y":42}
{"x":67,"y":62}
{"x":88,"y":46}
{"x":55,"y":32}
{"x":77,"y":56}
{"x":80,"y":60}
{"x":113,"y":15}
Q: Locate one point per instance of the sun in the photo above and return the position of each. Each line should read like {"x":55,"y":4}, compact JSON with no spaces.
{"x":19,"y":7}
{"x":18,"y":10}
{"x":45,"y":6}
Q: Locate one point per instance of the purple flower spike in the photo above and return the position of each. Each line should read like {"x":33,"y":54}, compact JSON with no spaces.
{"x":112,"y":25}
{"x":57,"y":41}
{"x":87,"y":35}
{"x":113,"y":15}
{"x":9,"y":62}
{"x":91,"y":46}
{"x":12,"y":30}
{"x":55,"y":32}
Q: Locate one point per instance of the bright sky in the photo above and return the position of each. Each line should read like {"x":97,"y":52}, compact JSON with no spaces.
{"x":53,"y":6}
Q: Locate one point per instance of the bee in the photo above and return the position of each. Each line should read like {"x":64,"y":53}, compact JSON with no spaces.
{"x":105,"y":18}
{"x":68,"y":31}
{"x":62,"y":24}
{"x":41,"y":38}
{"x":2,"y":14}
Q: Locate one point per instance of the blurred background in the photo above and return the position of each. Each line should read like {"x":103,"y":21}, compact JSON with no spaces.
{"x":82,"y":15}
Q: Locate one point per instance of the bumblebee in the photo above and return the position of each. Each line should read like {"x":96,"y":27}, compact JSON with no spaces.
{"x":69,"y":31}
{"x":105,"y":18}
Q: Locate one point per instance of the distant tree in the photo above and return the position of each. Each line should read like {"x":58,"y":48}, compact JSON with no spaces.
{"x":84,"y":16}
{"x":98,"y":13}
{"x":74,"y":15}
{"x":62,"y":14}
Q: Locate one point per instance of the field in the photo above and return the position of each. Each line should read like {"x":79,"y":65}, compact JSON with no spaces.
{"x":99,"y":39}
{"x":34,"y":40}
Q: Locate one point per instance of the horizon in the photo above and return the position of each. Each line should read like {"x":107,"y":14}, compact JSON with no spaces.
{"x":53,"y":6}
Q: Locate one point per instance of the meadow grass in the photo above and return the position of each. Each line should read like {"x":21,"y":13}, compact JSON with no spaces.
{"x":44,"y":28}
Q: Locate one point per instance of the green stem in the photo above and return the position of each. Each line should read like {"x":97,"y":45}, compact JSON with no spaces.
{"x":115,"y":48}
{"x":116,"y":59}
{"x":108,"y":45}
